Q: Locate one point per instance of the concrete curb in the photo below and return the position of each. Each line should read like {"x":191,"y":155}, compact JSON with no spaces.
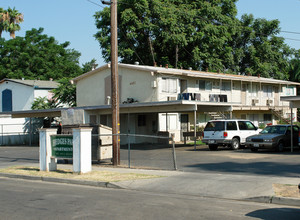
{"x":276,"y":200}
{"x":261,"y":199}
{"x":61,"y":180}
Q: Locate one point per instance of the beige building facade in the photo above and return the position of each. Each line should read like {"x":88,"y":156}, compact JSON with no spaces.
{"x":157,"y":99}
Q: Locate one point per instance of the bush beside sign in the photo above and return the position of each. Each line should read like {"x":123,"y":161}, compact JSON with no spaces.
{"x":62,"y":146}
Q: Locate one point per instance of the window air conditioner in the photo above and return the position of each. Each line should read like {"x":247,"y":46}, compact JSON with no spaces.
{"x":172,"y":98}
{"x":255,"y":101}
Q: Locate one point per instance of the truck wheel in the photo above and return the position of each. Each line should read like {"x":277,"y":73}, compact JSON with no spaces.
{"x":280,"y":146}
{"x":213,"y":147}
{"x":235,"y":144}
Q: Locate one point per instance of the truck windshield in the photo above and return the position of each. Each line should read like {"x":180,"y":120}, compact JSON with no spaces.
{"x":215,"y":126}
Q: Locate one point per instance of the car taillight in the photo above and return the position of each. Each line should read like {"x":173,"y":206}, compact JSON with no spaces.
{"x":225,"y":134}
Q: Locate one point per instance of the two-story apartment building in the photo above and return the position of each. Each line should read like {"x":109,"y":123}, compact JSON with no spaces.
{"x":155,"y":99}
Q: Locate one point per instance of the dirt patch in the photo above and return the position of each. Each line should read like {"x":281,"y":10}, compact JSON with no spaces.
{"x":286,"y":190}
{"x":100,"y":176}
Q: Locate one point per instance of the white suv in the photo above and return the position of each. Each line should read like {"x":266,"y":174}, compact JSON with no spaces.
{"x":229,"y":132}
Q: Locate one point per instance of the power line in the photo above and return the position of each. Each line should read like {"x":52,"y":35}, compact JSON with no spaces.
{"x":95,"y":3}
{"x":290,"y":32}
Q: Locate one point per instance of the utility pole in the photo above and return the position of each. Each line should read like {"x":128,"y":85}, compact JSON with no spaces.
{"x":114,"y":81}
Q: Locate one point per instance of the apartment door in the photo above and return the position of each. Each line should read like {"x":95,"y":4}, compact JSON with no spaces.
{"x":276,"y":96}
{"x":243,"y":94}
{"x":184,"y":122}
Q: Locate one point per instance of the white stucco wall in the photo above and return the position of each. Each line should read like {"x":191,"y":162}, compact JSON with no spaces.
{"x":22,"y":95}
{"x":134,"y":84}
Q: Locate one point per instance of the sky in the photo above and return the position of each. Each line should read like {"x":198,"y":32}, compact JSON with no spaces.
{"x":73,"y":21}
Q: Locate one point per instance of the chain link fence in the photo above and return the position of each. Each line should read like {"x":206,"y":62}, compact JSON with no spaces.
{"x":15,"y":134}
{"x":139,"y":151}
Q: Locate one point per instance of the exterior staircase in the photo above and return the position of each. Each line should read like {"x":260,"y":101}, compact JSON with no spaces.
{"x":278,"y":113}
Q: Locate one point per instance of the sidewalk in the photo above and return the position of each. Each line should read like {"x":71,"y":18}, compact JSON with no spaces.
{"x":226,"y":186}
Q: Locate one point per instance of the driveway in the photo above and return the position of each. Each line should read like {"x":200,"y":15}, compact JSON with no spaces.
{"x":202,"y":160}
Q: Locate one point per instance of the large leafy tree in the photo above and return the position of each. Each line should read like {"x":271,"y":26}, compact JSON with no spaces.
{"x":37,"y":56}
{"x":203,"y":34}
{"x":175,"y":32}
{"x":258,"y":50}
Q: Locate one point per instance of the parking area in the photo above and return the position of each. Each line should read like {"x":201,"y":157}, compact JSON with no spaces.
{"x":267,"y":163}
{"x":241,"y":161}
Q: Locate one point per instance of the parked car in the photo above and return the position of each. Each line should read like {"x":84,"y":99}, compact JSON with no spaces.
{"x":273,"y":137}
{"x":230,"y":132}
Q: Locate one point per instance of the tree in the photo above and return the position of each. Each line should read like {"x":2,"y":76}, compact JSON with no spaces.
{"x":43,"y":103}
{"x":258,"y":51}
{"x":3,"y":21}
{"x":10,"y":20}
{"x":14,"y":19}
{"x":154,"y":31}
{"x":202,"y":34}
{"x":89,"y":66}
{"x":37,"y":56}
{"x":65,"y":94}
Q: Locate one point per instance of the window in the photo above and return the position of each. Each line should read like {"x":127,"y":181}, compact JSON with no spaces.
{"x":103,"y":120}
{"x":205,"y":85}
{"x":7,"y":100}
{"x":93,"y":119}
{"x":226,"y":86}
{"x":267,"y":117}
{"x":231,"y":126}
{"x":201,"y":84}
{"x":246,"y":125}
{"x":169,"y":85}
{"x":141,"y":120}
{"x":289,"y":90}
{"x":255,"y":89}
{"x":268,"y":91}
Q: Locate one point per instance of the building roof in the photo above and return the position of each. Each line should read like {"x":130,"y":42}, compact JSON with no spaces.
{"x":37,"y":84}
{"x":145,"y":107}
{"x":188,"y":73}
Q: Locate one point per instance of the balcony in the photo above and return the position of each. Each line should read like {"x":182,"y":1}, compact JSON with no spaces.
{"x":197,"y":97}
{"x":189,"y":96}
{"x":217,"y":98}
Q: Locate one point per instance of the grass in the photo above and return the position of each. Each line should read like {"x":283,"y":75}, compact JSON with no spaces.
{"x":198,"y":142}
{"x":99,"y":176}
{"x":286,"y":190}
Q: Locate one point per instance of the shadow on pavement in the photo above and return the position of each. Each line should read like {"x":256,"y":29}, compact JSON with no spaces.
{"x":276,"y":213}
{"x":260,"y":168}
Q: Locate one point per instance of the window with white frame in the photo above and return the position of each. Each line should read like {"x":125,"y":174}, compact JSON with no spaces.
{"x":169,"y":85}
{"x":289,"y":90}
{"x":255,"y":89}
{"x":205,"y":85}
{"x":268,"y":91}
{"x":226,"y":86}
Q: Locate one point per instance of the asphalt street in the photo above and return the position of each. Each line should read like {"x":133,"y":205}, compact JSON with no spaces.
{"x":22,"y":199}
